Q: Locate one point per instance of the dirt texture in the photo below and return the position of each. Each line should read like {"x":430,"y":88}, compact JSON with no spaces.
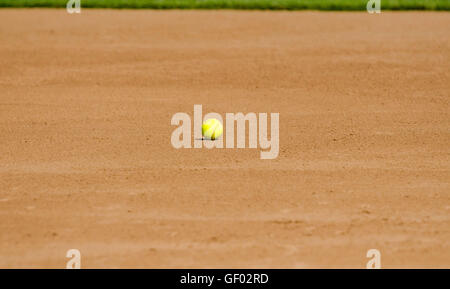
{"x":86,"y":160}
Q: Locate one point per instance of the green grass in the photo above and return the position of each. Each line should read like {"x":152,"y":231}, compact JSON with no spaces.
{"x":238,"y":4}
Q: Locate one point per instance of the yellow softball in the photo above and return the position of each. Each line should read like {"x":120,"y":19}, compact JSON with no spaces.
{"x":212,"y":129}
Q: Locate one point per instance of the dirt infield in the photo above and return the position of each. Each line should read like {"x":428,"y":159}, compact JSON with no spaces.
{"x":86,"y":160}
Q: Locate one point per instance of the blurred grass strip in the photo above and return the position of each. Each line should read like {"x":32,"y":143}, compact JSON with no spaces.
{"x":238,"y":4}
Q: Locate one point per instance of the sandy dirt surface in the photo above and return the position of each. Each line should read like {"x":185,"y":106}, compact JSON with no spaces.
{"x":86,"y":160}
